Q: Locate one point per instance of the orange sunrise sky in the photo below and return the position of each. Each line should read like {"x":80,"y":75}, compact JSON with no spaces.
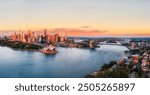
{"x":95,"y":17}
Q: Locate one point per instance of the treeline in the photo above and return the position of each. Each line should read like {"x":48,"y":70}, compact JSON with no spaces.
{"x":19,"y":45}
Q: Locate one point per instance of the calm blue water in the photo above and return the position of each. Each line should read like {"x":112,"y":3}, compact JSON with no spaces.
{"x":69,"y":62}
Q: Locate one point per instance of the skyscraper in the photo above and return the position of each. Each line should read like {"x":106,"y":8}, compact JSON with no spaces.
{"x":29,"y":36}
{"x":45,"y":35}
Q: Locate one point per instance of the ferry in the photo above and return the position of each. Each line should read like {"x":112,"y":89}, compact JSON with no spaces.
{"x":49,"y":50}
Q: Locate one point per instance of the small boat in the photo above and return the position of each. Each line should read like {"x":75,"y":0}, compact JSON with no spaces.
{"x":49,"y":50}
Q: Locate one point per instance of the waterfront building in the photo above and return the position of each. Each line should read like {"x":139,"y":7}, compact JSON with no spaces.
{"x":29,"y":36}
{"x":62,"y":39}
{"x":19,"y":37}
{"x":37,"y":38}
{"x":45,"y":35}
{"x":23,"y":37}
{"x":42,"y":39}
{"x":133,"y":45}
{"x":13,"y":37}
{"x":48,"y":39}
{"x":32,"y":37}
{"x":56,"y":37}
{"x":26,"y":37}
{"x":91,"y":43}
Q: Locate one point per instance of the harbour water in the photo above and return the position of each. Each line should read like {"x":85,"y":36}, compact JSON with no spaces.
{"x":69,"y":62}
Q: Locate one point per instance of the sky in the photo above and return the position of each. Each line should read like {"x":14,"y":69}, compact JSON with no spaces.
{"x":117,"y":17}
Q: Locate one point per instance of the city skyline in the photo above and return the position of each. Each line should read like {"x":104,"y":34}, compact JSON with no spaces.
{"x":106,"y":17}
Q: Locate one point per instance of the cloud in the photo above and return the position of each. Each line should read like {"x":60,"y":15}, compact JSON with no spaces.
{"x":85,"y":26}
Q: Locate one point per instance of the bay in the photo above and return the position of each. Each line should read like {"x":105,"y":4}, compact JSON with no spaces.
{"x":68,"y":63}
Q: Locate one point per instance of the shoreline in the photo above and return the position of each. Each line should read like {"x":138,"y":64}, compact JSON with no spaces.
{"x":25,"y":49}
{"x":77,"y":74}
{"x":17,"y":45}
{"x":135,"y":65}
{"x":20,"y":49}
